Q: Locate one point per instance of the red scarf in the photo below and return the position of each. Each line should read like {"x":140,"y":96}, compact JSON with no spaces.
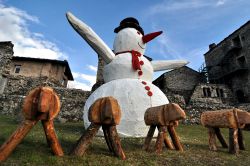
{"x":135,"y":60}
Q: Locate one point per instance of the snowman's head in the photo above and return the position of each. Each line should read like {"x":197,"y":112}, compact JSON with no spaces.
{"x":130,"y":36}
{"x":129,"y":39}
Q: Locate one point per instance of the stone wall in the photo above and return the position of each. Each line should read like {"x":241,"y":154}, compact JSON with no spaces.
{"x":3,"y":82}
{"x":11,"y":105}
{"x":72,"y":103}
{"x":194,"y":111}
{"x":72,"y":100}
{"x":6,"y":53}
{"x":20,"y":85}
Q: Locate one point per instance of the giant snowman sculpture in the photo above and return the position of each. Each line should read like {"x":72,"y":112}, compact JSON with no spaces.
{"x":127,"y":74}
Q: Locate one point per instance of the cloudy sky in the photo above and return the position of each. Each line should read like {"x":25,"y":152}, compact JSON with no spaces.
{"x":40,"y":29}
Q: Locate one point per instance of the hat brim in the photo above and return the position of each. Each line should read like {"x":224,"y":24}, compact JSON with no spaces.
{"x":129,"y":25}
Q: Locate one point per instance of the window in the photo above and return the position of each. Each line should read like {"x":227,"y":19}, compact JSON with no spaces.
{"x":219,"y":92}
{"x":241,"y":96}
{"x":206,"y":92}
{"x":17,"y":68}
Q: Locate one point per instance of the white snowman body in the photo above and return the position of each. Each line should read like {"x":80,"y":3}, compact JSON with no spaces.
{"x":132,"y":87}
{"x":125,"y":84}
{"x":133,"y":100}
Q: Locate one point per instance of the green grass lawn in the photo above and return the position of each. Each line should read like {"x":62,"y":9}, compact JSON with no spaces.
{"x":34,"y":150}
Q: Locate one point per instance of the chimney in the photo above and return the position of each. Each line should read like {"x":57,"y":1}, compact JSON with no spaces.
{"x":212,"y":46}
{"x":99,"y":77}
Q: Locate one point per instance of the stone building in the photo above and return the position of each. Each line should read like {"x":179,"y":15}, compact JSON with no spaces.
{"x":228,"y":62}
{"x":178,"y":84}
{"x":55,"y":70}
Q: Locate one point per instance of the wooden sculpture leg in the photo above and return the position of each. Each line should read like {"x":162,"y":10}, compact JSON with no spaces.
{"x":241,"y":140}
{"x":15,"y":139}
{"x":175,"y":138}
{"x":212,"y":139}
{"x":115,"y":142}
{"x":52,"y":138}
{"x":167,"y":142}
{"x":220,"y":137}
{"x":85,"y":140}
{"x":159,"y":140}
{"x":105,"y":129}
{"x":233,"y":141}
{"x":149,"y":137}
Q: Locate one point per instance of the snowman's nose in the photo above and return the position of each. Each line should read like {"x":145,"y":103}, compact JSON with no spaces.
{"x":148,"y":37}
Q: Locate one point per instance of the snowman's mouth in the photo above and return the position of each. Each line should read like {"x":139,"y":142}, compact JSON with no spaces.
{"x":140,"y":45}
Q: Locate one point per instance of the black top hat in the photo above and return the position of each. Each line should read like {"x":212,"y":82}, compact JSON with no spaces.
{"x":129,"y":22}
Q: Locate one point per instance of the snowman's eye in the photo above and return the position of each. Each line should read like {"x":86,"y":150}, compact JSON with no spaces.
{"x":138,"y":33}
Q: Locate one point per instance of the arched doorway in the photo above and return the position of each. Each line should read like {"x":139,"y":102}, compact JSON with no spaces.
{"x":240,"y":96}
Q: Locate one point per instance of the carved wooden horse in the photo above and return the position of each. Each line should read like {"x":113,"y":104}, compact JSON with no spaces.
{"x":162,"y":117}
{"x":234,"y":119}
{"x":104,"y":112}
{"x":43,"y":104}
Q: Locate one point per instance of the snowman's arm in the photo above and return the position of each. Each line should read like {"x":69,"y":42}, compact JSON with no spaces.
{"x":168,"y":64}
{"x":91,"y":38}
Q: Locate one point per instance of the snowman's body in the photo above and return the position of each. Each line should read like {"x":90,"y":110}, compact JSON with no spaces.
{"x":123,"y":83}
{"x":128,"y":78}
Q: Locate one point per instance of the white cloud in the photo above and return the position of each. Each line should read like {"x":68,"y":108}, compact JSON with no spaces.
{"x":82,"y":81}
{"x":79,"y":85}
{"x":167,"y":48}
{"x":220,"y":2}
{"x":171,"y":50}
{"x":89,"y":78}
{"x":93,"y":68}
{"x":173,"y":5}
{"x":14,"y":27}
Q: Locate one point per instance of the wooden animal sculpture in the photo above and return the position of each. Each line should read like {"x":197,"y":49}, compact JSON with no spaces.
{"x":163,"y":117}
{"x":43,"y":104}
{"x":234,"y":119}
{"x":104,"y":112}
